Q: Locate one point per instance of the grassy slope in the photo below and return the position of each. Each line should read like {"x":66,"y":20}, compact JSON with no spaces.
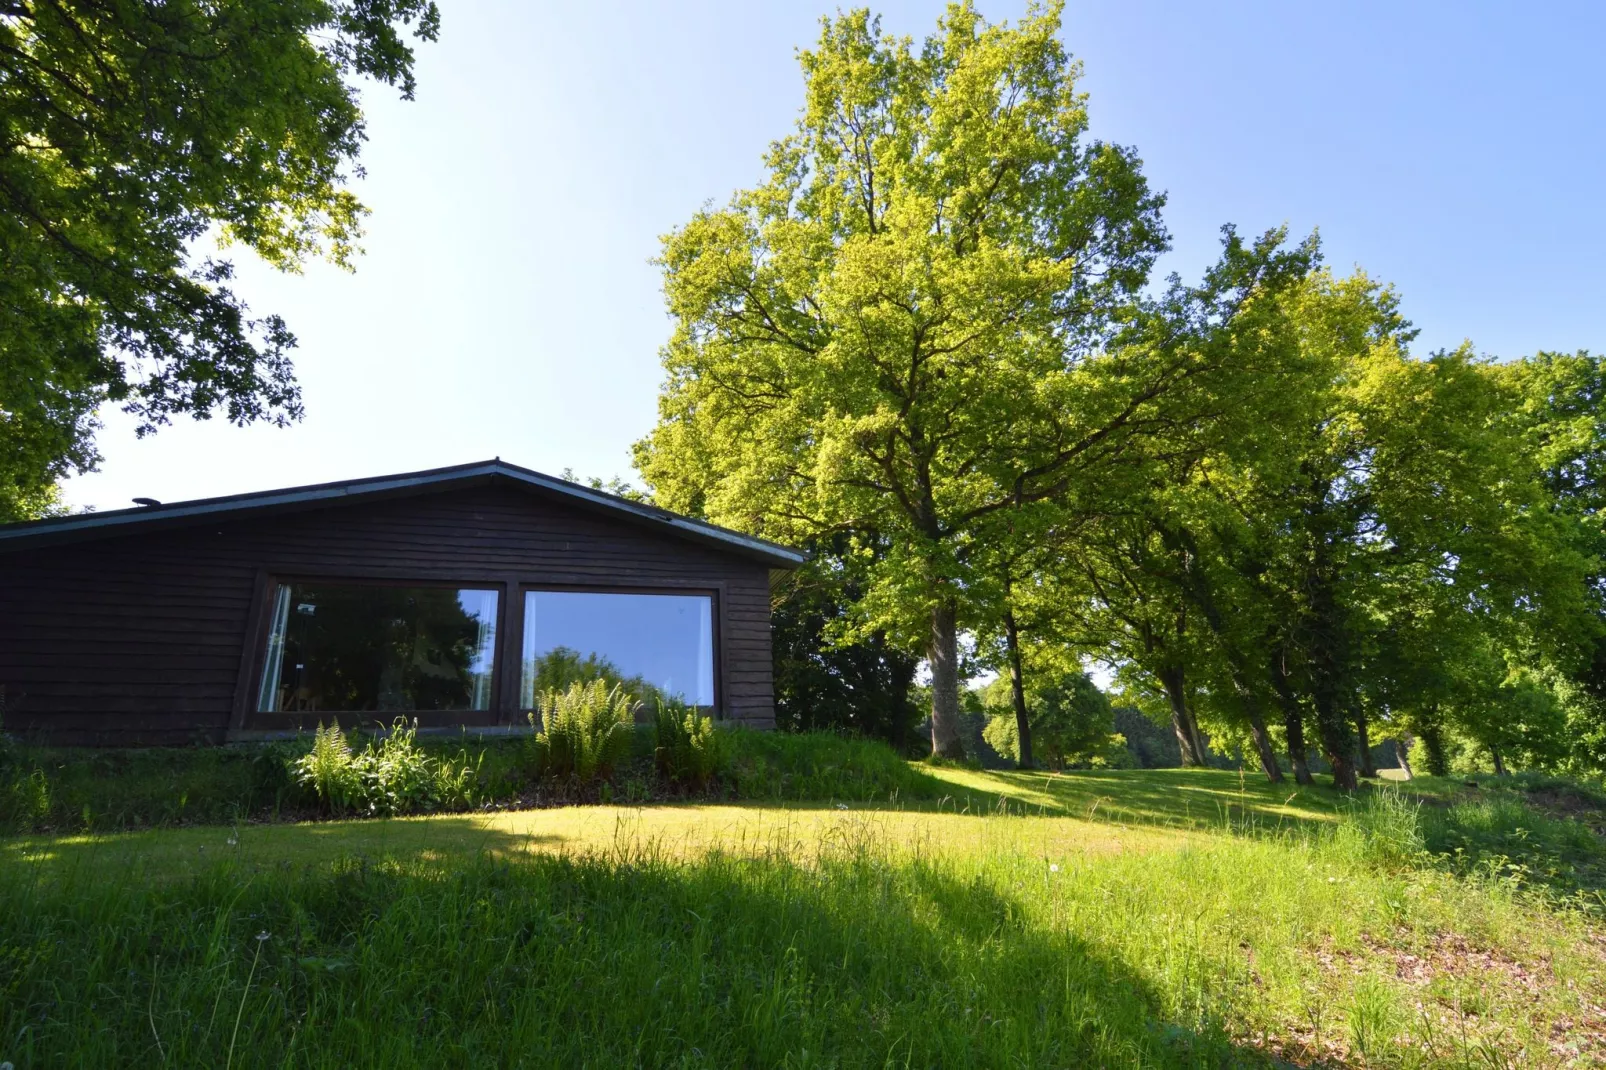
{"x":1132,"y":918}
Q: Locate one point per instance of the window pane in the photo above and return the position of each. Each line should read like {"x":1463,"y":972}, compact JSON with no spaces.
{"x":357,"y":648}
{"x":650,"y":643}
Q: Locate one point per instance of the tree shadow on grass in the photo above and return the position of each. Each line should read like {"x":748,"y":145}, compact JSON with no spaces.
{"x":1169,"y":798}
{"x":618,"y":958}
{"x":166,"y":855}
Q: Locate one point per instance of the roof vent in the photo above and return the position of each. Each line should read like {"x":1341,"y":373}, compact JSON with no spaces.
{"x":146,"y":501}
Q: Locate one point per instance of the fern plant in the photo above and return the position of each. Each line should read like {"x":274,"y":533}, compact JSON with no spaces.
{"x":391,"y":775}
{"x":330,"y":769}
{"x":688,"y":749}
{"x":583,"y":732}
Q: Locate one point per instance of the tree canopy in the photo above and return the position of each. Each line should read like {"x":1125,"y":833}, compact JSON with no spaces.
{"x":906,"y":329}
{"x":132,"y":133}
{"x":930,"y":340}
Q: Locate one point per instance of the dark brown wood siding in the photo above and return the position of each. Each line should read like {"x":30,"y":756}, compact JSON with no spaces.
{"x":145,"y":638}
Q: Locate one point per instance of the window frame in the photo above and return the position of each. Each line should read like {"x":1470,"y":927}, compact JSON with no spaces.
{"x":510,"y":586}
{"x":716,"y":624}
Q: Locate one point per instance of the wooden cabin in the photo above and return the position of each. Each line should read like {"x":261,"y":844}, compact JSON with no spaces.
{"x":452,"y":597}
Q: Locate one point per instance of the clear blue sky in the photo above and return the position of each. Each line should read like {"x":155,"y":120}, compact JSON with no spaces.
{"x":506,"y":305}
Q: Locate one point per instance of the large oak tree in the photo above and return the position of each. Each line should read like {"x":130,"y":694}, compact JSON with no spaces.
{"x":898,"y":331}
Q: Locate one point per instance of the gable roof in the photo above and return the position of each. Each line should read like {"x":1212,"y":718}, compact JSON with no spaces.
{"x":407,"y":484}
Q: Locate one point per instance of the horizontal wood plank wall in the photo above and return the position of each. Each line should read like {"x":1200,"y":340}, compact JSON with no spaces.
{"x":138,"y":639}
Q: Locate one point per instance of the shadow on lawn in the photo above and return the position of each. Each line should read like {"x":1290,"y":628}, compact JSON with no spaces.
{"x":625,"y":960}
{"x":168,"y":854}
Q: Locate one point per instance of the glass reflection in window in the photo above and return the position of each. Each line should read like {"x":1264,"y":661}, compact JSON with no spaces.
{"x":651,"y":644}
{"x":358,"y":648}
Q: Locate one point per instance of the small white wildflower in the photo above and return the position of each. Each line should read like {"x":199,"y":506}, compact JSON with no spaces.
{"x":1332,"y":880}
{"x":264,"y":936}
{"x":233,"y":841}
{"x":1053,"y":867}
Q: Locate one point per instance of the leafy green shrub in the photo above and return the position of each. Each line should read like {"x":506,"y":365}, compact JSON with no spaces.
{"x":687,"y":748}
{"x":396,"y":775}
{"x":391,"y":775}
{"x":583,"y":733}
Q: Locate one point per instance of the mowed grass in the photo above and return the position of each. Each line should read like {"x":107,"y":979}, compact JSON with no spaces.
{"x":1160,"y":918}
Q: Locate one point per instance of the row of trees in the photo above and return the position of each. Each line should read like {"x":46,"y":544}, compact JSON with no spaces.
{"x":928,"y":346}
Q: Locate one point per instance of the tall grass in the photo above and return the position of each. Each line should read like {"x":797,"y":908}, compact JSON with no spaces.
{"x":1219,"y":951}
{"x":822,"y":767}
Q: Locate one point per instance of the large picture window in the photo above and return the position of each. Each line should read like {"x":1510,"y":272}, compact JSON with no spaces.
{"x":359,"y":648}
{"x":652,"y":644}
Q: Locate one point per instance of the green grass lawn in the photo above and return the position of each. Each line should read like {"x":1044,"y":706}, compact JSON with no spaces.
{"x":1134,"y":918}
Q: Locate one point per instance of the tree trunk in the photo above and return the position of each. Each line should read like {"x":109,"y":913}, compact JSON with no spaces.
{"x":1255,"y":714}
{"x":1338,"y":742}
{"x":1344,"y":778}
{"x":1364,"y":737}
{"x":1499,"y":763}
{"x":1182,"y":722}
{"x":1293,"y":724}
{"x":1268,"y":753}
{"x":942,"y":652}
{"x":1433,"y":743}
{"x":1017,"y":687}
{"x":1402,"y":753}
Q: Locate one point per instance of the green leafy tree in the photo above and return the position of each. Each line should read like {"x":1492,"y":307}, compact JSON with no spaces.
{"x":1562,"y":417}
{"x":1395,"y":512}
{"x":822,"y":681}
{"x":1072,"y":720}
{"x":1136,"y":582}
{"x":896,"y":332}
{"x":129,"y":131}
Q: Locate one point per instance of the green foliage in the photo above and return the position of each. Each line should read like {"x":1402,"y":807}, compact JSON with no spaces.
{"x":95,"y":789}
{"x":824,"y":766}
{"x":24,"y":798}
{"x":1382,"y":828}
{"x":390,"y":775}
{"x":829,"y":676}
{"x":895,"y":334}
{"x":1071,"y":720}
{"x":582,"y":733}
{"x":112,"y":175}
{"x":687,"y":748}
{"x":330,"y":769}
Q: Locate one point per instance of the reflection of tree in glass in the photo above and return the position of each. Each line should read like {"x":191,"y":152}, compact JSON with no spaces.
{"x":380,"y":648}
{"x":562,"y":666}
